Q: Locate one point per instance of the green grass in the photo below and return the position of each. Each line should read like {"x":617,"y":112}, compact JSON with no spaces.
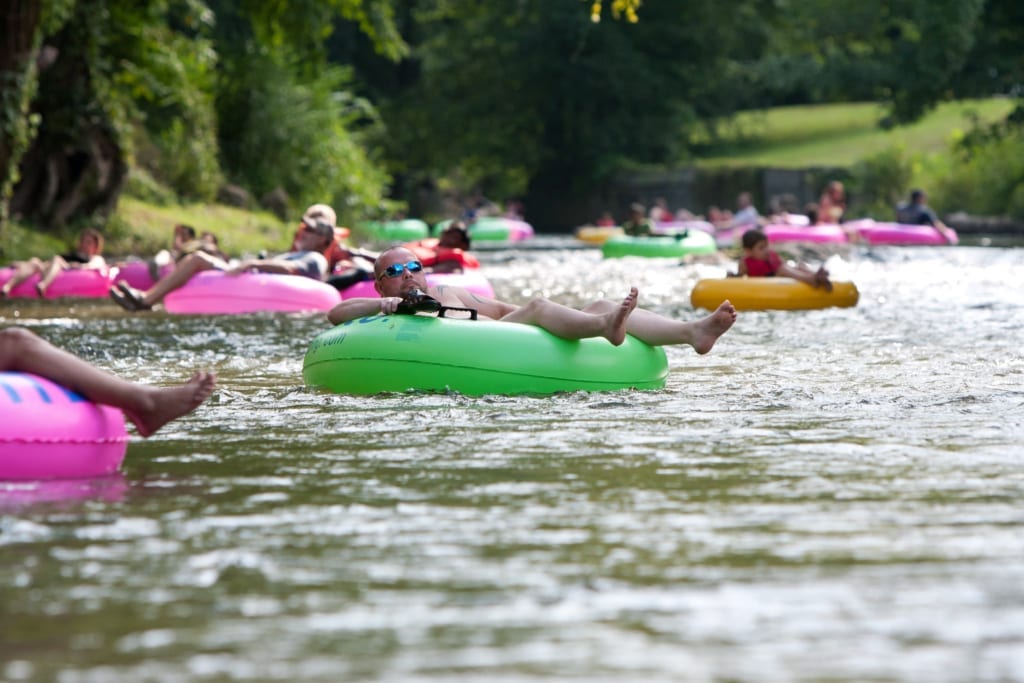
{"x":150,"y":227}
{"x":142,"y":229}
{"x":839,"y":135}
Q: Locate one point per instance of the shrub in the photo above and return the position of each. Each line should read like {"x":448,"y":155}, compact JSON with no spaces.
{"x":879,"y":182}
{"x":988,"y":177}
{"x":282,"y":130}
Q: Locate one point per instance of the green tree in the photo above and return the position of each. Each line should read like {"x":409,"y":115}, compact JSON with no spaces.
{"x":536,"y":97}
{"x":287,"y":118}
{"x":907,"y":53}
{"x":23,"y":23}
{"x":120,"y":69}
{"x":133,"y":86}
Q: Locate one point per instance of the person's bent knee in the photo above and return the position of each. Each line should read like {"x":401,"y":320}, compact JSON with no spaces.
{"x":535,"y":304}
{"x":192,"y":260}
{"x":199,"y":260}
{"x":14,"y":341}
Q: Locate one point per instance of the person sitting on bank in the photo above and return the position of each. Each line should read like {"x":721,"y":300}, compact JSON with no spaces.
{"x":759,"y":260}
{"x":85,"y":256}
{"x":399,"y":275}
{"x":917,"y":212}
{"x":448,"y":253}
{"x":638,"y":224}
{"x":149,"y":408}
{"x":306,"y":259}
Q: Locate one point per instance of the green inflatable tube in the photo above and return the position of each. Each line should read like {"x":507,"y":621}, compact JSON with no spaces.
{"x":473,"y":357}
{"x":407,"y":230}
{"x":692,"y":242}
{"x":493,"y":229}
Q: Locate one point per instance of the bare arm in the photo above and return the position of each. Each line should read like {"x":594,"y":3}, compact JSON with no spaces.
{"x":267,"y":266}
{"x":353,"y":309}
{"x":796,"y":273}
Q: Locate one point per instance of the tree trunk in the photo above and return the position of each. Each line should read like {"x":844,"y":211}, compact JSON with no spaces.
{"x":19,"y":26}
{"x":75,"y":166}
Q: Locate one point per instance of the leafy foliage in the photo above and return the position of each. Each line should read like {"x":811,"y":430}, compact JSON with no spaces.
{"x":902,"y":52}
{"x":164,"y":68}
{"x":880,"y":181}
{"x":298,"y":135}
{"x":538,"y":91}
{"x":987,"y":178}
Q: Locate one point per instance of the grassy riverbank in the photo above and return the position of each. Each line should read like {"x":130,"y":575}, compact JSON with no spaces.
{"x":142,"y":229}
{"x":838,"y":135}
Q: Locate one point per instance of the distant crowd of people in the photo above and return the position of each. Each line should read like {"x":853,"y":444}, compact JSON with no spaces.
{"x":830,"y":209}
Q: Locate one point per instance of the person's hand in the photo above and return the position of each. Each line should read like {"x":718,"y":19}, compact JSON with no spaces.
{"x":239,"y":268}
{"x":389,"y":304}
{"x":821,"y":279}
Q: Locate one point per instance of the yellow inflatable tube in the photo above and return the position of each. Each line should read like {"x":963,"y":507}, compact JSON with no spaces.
{"x":594,"y":234}
{"x":770,"y":293}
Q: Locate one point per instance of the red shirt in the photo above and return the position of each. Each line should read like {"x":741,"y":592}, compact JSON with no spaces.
{"x":430,"y":254}
{"x":759,"y":268}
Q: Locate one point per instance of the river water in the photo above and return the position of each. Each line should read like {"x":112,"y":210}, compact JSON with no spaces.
{"x":828,"y":495}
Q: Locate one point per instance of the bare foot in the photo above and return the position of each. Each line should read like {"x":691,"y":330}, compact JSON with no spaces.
{"x":709,"y":329}
{"x":616,"y":330}
{"x":164,"y":404}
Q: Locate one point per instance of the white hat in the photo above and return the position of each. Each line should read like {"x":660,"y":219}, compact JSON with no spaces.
{"x":319,"y":213}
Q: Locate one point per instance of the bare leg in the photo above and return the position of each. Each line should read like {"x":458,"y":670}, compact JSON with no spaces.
{"x":148,"y":407}
{"x":23,"y":270}
{"x":569,"y":323}
{"x":657,"y":330}
{"x":48,"y":273}
{"x":182,"y":273}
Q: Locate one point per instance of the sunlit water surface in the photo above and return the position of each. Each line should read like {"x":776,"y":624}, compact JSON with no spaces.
{"x":828,"y":495}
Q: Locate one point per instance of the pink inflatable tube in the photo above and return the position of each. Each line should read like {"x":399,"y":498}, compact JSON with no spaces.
{"x":818,"y":234}
{"x":519,"y":230}
{"x":214,"y":292}
{"x":16,"y":494}
{"x":136,"y":274}
{"x":471,"y":280}
{"x":78,"y":282}
{"x":49,"y":432}
{"x":899,"y":234}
